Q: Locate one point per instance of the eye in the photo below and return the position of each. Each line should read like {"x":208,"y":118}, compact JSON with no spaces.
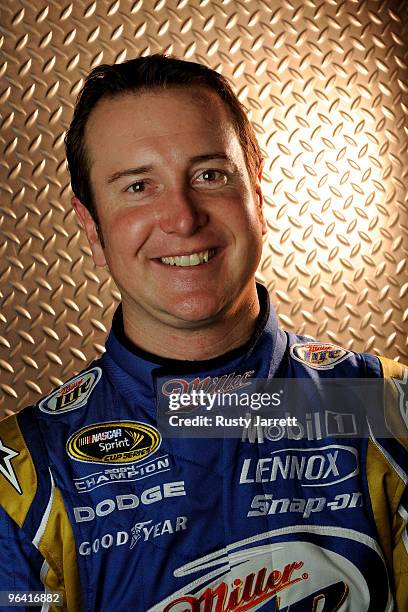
{"x":211,"y":178}
{"x":137,"y":187}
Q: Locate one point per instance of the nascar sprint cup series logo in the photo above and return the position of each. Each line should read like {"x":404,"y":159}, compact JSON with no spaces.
{"x":114,"y":442}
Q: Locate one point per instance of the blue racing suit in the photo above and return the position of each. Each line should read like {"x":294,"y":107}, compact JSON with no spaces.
{"x":97,"y":503}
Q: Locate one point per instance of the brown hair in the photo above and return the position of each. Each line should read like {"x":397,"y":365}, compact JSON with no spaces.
{"x":144,"y":73}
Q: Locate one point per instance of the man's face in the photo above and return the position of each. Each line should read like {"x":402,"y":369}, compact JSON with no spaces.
{"x":180,"y":218}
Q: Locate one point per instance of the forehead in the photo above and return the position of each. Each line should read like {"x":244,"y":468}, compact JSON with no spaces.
{"x":173,"y":113}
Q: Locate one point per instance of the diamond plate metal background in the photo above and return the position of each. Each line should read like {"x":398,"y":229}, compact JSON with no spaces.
{"x":326,"y":85}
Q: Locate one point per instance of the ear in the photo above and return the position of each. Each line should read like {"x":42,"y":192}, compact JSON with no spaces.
{"x":258,"y":190}
{"x":89,"y":225}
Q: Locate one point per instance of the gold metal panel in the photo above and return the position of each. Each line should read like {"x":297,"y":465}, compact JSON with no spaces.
{"x":326,"y":85}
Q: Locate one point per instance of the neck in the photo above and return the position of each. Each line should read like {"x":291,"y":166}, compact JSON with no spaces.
{"x":204,"y":341}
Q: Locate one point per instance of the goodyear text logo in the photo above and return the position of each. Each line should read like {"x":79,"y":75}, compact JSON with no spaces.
{"x":114,"y":442}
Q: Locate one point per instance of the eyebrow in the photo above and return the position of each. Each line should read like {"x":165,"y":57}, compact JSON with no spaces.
{"x":129,"y":172}
{"x":145,"y":169}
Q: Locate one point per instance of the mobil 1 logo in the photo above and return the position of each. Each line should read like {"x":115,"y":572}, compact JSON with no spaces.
{"x":315,"y":425}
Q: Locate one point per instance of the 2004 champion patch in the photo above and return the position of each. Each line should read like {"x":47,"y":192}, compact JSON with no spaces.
{"x":114,"y":442}
{"x":319,"y":356}
{"x":73,"y":394}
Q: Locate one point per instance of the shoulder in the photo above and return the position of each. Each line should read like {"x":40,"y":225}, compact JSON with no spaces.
{"x":327,"y":359}
{"x":18,"y":474}
{"x":25,"y":475}
{"x":393,"y":369}
{"x":34,"y":524}
{"x":395,"y":400}
{"x":327,"y":356}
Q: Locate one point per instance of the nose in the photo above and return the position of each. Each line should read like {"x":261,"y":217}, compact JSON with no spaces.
{"x":181,"y":213}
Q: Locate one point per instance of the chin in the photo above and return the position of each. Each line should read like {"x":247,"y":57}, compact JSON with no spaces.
{"x":196,"y":310}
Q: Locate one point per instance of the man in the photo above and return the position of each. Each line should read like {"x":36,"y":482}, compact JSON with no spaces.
{"x":96,"y":503}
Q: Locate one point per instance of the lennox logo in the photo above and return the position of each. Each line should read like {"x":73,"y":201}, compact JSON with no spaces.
{"x":313,"y":467}
{"x":73,"y":394}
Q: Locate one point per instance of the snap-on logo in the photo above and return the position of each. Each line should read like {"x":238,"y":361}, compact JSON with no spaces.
{"x":114,"y":442}
{"x":73,"y":394}
{"x":319,"y":356}
{"x":312,"y":467}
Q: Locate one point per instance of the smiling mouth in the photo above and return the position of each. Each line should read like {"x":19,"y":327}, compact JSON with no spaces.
{"x":195,"y":259}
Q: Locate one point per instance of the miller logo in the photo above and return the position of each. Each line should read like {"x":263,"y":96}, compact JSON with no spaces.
{"x":209,"y":384}
{"x":114,"y":442}
{"x":256,"y":574}
{"x":319,"y":356}
{"x":73,"y":394}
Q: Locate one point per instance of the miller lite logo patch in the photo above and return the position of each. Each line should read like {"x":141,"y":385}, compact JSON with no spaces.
{"x":73,"y":394}
{"x":319,"y":356}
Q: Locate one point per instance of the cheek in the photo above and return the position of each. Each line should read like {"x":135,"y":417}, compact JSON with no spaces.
{"x":126,"y":233}
{"x":248,"y":218}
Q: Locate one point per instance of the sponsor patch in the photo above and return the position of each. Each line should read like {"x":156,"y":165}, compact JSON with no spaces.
{"x":6,"y":467}
{"x":129,"y":501}
{"x":254,"y":574}
{"x":310,"y":426}
{"x":140,"y":532}
{"x":148,"y":530}
{"x":114,"y":442}
{"x":73,"y":394}
{"x":266,"y":504}
{"x":122,"y":473}
{"x":311,"y":467}
{"x":319,"y":356}
{"x":209,"y":384}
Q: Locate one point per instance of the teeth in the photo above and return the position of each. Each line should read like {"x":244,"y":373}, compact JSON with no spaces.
{"x":195,"y":259}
